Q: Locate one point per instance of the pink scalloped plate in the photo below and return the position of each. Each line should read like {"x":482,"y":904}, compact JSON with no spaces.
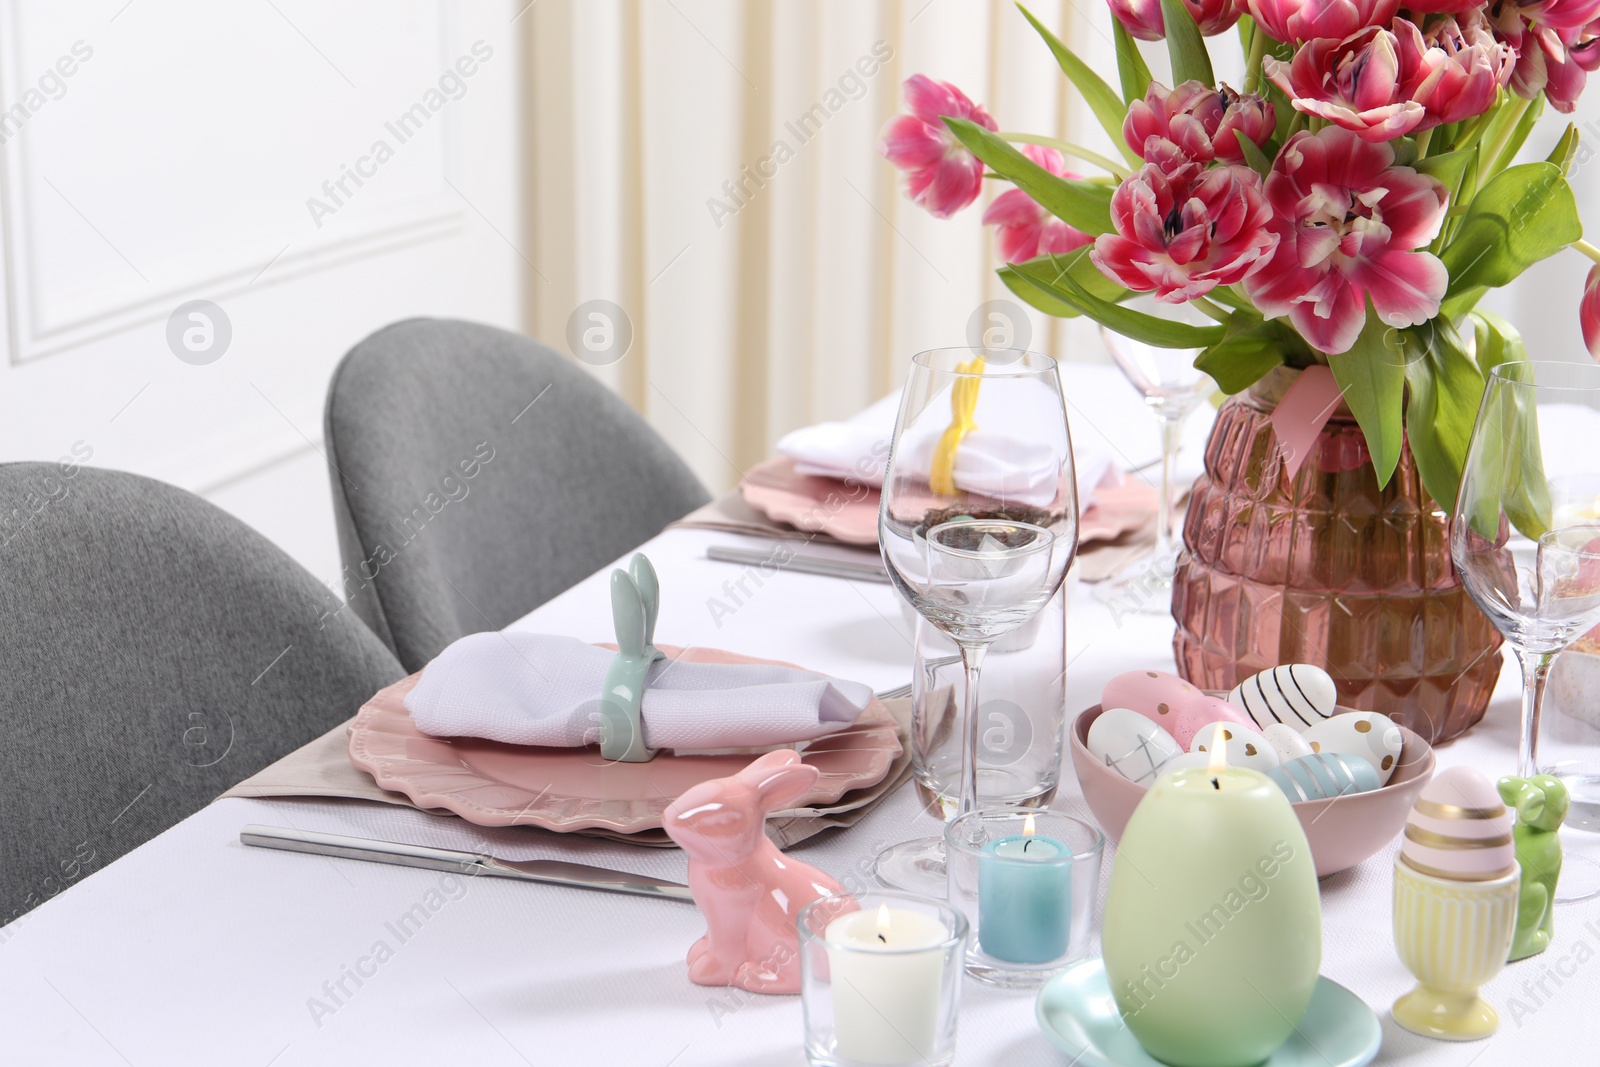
{"x":849,"y":513}
{"x":495,"y":784}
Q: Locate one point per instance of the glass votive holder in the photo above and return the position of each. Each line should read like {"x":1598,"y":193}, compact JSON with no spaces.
{"x":880,"y":979}
{"x":1027,"y":881}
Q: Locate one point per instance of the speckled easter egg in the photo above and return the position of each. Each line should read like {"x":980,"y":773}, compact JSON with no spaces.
{"x":1459,"y":829}
{"x":1154,"y":694}
{"x":1366,"y":735}
{"x":1243,"y":747}
{"x":1296,"y":694}
{"x":1193,"y":715}
{"x":1286,"y":742}
{"x":1130,"y":744}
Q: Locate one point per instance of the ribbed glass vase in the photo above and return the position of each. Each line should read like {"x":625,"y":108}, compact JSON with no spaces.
{"x":1327,"y":568}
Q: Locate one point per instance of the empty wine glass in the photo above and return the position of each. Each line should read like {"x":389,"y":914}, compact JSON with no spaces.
{"x":978,"y":523}
{"x":1172,"y":388}
{"x":1525,"y":539}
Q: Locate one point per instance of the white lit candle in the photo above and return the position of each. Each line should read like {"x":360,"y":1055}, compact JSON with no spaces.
{"x":886,"y":970}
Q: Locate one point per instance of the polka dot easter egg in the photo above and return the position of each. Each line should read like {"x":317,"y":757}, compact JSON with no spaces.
{"x":1131,"y":744}
{"x":1242,"y":747}
{"x":1459,"y":829}
{"x":1296,"y":694}
{"x":1169,"y":702}
{"x":1365,"y":735}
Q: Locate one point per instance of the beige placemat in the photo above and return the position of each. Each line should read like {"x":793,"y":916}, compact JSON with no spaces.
{"x":730,"y":514}
{"x":322,"y":768}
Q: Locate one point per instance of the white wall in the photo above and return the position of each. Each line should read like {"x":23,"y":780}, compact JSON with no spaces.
{"x":176,"y":161}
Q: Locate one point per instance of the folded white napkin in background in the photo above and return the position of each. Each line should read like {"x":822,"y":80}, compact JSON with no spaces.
{"x":538,"y":689}
{"x":1001,"y":456}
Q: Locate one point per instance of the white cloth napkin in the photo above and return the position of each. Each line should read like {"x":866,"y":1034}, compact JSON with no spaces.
{"x":1002,"y":456}
{"x":537,"y":689}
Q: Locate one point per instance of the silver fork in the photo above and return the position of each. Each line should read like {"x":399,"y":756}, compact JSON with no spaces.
{"x":905,"y":690}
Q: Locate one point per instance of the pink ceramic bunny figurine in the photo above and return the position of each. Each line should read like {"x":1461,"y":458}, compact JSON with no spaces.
{"x":748,"y":891}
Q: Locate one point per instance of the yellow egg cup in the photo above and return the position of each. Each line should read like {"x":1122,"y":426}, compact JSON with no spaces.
{"x":1453,"y":936}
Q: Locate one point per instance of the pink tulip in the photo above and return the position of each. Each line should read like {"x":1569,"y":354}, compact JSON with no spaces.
{"x":1183,"y":236}
{"x":1555,"y":46}
{"x":1195,"y":123}
{"x":1306,"y":20}
{"x":1474,"y":65}
{"x":1589,"y":311}
{"x":941,"y":174}
{"x":1348,"y":222}
{"x":1142,"y":18}
{"x":1384,"y":83}
{"x":1443,"y":7}
{"x":1024,"y":228}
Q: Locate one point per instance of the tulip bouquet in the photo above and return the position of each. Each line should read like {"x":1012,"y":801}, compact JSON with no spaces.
{"x":1349,"y":206}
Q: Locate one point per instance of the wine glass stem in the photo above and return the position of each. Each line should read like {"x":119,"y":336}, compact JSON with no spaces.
{"x":1535,"y":672}
{"x":972,"y":661}
{"x":1171,"y":442}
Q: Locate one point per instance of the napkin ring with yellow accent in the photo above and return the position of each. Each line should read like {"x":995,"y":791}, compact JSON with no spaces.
{"x":635,"y":599}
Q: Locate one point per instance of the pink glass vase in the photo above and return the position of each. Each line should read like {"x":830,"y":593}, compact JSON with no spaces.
{"x":1327,"y":568}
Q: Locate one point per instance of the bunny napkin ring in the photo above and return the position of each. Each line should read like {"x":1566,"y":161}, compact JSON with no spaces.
{"x":635,"y":598}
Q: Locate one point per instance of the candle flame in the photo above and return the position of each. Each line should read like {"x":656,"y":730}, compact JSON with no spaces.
{"x":883,"y":922}
{"x":1219,"y":750}
{"x":1027,"y":826}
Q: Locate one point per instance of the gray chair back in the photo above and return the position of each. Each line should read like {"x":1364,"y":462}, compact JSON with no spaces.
{"x":476,"y":474}
{"x":155,"y":651}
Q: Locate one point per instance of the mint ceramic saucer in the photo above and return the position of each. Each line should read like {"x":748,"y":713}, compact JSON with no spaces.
{"x":1080,"y":1018}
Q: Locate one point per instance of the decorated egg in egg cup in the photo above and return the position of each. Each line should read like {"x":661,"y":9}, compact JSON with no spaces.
{"x":1456,"y":886}
{"x":1343,"y":827}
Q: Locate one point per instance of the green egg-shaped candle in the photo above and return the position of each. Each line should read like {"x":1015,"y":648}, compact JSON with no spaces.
{"x":1213,"y":927}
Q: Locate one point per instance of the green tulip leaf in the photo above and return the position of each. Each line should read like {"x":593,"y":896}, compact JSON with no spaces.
{"x":1054,"y":276}
{"x":1132,"y":70}
{"x":1250,"y":347}
{"x":1372,"y":376}
{"x":1445,"y":386}
{"x":1108,"y":107}
{"x":1186,"y":46}
{"x":1084,"y":205}
{"x":1519,"y":217}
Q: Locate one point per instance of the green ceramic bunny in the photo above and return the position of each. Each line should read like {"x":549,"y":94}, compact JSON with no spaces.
{"x":1541,"y":803}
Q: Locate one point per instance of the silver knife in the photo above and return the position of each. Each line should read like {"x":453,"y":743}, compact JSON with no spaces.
{"x":549,"y":872}
{"x":830,"y":568}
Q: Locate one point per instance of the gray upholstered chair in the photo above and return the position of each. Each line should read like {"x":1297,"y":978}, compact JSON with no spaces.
{"x":155,"y":650}
{"x":476,"y":474}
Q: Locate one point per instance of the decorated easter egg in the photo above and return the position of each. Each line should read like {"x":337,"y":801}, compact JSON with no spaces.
{"x":1297,"y":694}
{"x":1131,"y":744}
{"x":1242,"y":746}
{"x":1322,"y":775}
{"x":1153,"y":694}
{"x":1198,"y":712}
{"x":1286,"y":742}
{"x":1364,"y":734}
{"x":1459,"y":829}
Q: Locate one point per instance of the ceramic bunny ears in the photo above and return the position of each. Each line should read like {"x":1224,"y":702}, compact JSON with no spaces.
{"x":635,"y":598}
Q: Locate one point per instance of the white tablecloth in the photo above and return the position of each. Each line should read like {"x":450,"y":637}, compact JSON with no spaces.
{"x":196,"y":950}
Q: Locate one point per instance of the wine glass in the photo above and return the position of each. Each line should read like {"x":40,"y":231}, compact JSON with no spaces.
{"x":1172,"y":387}
{"x":978,"y":523}
{"x":1525,"y":539}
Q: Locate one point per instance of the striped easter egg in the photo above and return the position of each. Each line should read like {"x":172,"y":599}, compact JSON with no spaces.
{"x":1322,"y":775}
{"x":1298,"y":695}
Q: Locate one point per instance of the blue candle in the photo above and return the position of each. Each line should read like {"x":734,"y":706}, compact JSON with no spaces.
{"x":1025,"y":898}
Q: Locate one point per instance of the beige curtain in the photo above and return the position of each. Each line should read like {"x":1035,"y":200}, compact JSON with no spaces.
{"x":709,"y":167}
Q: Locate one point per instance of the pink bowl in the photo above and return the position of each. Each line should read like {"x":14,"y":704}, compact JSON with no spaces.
{"x":1343,"y":831}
